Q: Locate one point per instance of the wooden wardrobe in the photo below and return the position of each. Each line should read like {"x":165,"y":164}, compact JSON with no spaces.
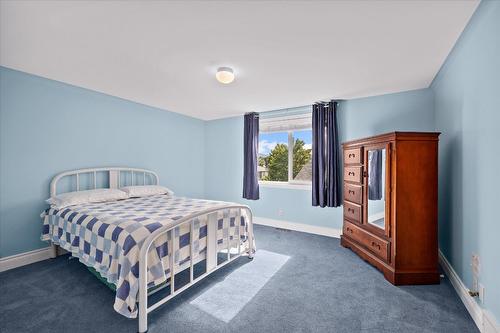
{"x":390,"y":204}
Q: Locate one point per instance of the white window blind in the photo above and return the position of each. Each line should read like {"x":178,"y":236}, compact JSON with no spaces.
{"x":283,"y":123}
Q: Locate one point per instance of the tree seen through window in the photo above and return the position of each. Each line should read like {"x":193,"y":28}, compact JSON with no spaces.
{"x":273,"y":156}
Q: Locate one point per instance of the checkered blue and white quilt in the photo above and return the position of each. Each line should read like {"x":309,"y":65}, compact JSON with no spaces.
{"x":108,"y":237}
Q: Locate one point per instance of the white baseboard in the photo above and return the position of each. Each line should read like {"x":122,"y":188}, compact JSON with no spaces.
{"x":462,"y":291}
{"x":311,"y":229}
{"x":483,"y":319}
{"x":25,"y":258}
{"x":490,"y":325}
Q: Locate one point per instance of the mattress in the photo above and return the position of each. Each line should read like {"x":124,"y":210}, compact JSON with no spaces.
{"x":108,"y":237}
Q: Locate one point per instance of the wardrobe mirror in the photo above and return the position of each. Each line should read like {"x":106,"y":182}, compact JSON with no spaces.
{"x":376,"y":187}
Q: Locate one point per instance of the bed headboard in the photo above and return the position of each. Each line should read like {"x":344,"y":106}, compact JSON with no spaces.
{"x":113,"y":177}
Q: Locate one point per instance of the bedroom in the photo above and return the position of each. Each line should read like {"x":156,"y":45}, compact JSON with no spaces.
{"x":182,"y":113}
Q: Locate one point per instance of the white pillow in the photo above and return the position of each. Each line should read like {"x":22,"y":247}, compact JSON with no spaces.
{"x":81,"y":197}
{"x":145,"y":190}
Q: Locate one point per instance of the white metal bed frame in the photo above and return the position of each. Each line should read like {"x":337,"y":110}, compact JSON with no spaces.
{"x":114,"y":174}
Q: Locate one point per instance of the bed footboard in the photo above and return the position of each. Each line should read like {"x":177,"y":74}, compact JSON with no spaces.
{"x":211,"y":259}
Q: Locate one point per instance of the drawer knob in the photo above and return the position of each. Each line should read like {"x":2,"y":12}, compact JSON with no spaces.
{"x":351,"y":173}
{"x":376,"y":245}
{"x":352,"y":155}
{"x":348,"y":229}
{"x":352,"y":192}
{"x":350,"y":210}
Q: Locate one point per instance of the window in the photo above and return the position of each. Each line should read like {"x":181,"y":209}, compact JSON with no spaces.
{"x":277,"y":163}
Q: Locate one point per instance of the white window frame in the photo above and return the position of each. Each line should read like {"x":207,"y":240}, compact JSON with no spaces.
{"x":290,"y":184}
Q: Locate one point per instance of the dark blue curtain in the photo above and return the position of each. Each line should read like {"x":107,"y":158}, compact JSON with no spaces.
{"x":375,"y":174}
{"x":326,"y":186}
{"x":250,"y":150}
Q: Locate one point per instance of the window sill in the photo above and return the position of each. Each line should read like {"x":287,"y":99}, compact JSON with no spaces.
{"x":303,"y":187}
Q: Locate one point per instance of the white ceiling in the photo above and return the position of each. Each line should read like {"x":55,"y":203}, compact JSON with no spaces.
{"x":284,"y":54}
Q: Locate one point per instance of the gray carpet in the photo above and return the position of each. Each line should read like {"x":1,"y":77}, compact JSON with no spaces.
{"x":322,"y":287}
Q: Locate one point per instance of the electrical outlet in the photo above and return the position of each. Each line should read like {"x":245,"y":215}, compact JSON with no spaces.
{"x":481,"y":292}
{"x":281,"y":212}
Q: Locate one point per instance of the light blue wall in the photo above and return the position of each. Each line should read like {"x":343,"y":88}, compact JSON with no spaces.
{"x":47,"y":127}
{"x":407,"y":111}
{"x":467,"y":108}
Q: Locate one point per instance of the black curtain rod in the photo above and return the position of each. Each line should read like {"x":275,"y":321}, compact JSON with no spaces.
{"x":325,"y":103}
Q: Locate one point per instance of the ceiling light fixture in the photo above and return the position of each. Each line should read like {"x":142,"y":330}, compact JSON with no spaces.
{"x":225,"y":75}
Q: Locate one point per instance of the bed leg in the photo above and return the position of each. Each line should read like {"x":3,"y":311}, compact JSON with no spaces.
{"x":250,"y":239}
{"x":143,"y":315}
{"x":53,"y":250}
{"x":143,"y":319}
{"x":143,"y":326}
{"x":143,"y":295}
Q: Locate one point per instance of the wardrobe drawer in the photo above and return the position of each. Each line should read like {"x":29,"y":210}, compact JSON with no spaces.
{"x":353,"y":193}
{"x":353,"y":156}
{"x":376,"y":245}
{"x":352,"y":211}
{"x":353,"y":174}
